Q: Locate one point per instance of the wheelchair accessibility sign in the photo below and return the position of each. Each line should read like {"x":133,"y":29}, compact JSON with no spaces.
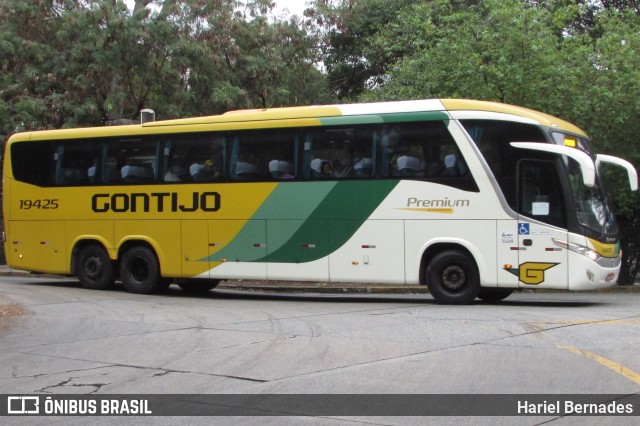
{"x":523,"y":229}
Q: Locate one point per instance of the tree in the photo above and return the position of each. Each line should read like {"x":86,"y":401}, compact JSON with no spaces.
{"x":353,"y":63}
{"x":241,"y":58}
{"x":69,"y":63}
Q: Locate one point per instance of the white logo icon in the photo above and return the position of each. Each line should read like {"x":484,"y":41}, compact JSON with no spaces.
{"x":23,"y":405}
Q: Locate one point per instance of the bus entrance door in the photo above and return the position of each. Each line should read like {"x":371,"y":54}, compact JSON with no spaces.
{"x":541,"y":262}
{"x":541,"y":219}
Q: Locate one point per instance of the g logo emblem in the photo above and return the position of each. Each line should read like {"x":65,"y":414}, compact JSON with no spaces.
{"x":531,"y":272}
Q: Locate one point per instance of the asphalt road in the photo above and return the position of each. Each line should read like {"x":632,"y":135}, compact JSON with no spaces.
{"x":57,"y":338}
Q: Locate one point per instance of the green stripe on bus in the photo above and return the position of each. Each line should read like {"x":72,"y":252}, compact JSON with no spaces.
{"x":323,"y":218}
{"x":404,"y":117}
{"x":332,"y":223}
{"x":384,"y":118}
{"x":305,"y":196}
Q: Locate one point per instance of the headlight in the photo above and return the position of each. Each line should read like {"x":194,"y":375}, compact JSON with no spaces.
{"x":585,"y":251}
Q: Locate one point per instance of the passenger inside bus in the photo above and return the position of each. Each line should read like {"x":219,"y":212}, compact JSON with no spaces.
{"x":363,"y":167}
{"x":321,"y":169}
{"x":453,"y":166}
{"x":280,"y":169}
{"x":133,"y":172}
{"x":204,"y":172}
{"x":408,"y":165}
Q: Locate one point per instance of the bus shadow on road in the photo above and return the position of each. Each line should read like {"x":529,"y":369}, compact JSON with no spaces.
{"x":542,"y":300}
{"x":416,"y":299}
{"x":287,"y":296}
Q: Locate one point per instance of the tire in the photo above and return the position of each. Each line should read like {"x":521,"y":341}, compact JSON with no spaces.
{"x":452,"y":278}
{"x":197,"y":286}
{"x":140,"y":271}
{"x":94,"y":268}
{"x":492,"y":295}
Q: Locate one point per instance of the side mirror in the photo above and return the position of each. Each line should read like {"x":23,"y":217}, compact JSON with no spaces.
{"x":631,"y":171}
{"x":586,"y":163}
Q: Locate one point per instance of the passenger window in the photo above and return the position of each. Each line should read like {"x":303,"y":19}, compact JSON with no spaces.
{"x":32,"y":162}
{"x":493,"y":138}
{"x":132,"y":161}
{"x":340,"y":153}
{"x":264,"y":156}
{"x":77,"y":163}
{"x":194,"y":158}
{"x":420,"y":150}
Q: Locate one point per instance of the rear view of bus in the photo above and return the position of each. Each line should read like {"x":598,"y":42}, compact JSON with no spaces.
{"x":472,"y":199}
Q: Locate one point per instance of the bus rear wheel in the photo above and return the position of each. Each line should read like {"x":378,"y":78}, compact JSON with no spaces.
{"x":452,"y":278}
{"x":140,"y":271}
{"x":94,"y":268}
{"x":197,"y":286}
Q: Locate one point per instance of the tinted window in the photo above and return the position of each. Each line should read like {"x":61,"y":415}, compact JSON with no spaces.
{"x":340,"y":152}
{"x":493,"y":138}
{"x":540,"y":192}
{"x":420,"y":150}
{"x":77,"y":163}
{"x":264,"y":155}
{"x":32,"y":162}
{"x":131,"y":161}
{"x":194,"y":158}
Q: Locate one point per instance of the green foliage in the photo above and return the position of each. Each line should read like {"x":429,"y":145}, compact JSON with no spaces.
{"x":70,"y":63}
{"x":354,"y":56}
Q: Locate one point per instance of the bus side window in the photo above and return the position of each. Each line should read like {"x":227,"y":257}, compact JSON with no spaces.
{"x":33,"y":162}
{"x":197,"y":158}
{"x":404,"y":150}
{"x":493,"y":138}
{"x":76,"y":163}
{"x":340,"y":152}
{"x":174,"y":163}
{"x":264,"y":156}
{"x":133,"y":161}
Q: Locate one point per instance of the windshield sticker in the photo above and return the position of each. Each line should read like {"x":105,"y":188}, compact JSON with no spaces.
{"x":540,"y":209}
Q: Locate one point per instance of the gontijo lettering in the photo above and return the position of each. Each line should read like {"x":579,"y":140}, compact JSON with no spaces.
{"x":156,"y":202}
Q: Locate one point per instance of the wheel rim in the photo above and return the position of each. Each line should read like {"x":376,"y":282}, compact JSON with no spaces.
{"x":139,"y":270}
{"x":454,"y":278}
{"x":93,"y":267}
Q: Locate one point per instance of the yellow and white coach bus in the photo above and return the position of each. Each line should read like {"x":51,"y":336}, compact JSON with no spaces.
{"x":472,"y":199}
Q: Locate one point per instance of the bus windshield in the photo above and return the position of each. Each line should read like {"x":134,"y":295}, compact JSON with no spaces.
{"x":592,"y":207}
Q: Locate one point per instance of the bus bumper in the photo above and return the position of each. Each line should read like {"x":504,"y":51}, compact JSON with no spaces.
{"x":586,"y":274}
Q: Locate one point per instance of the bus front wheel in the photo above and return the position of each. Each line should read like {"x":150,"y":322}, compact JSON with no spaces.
{"x":94,"y":268}
{"x":452,"y":278}
{"x":493,"y":295}
{"x":140,"y":270}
